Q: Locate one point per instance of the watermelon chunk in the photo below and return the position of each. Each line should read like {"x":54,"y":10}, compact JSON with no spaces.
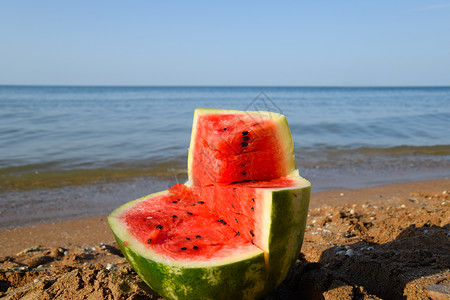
{"x":219,"y":236}
{"x":231,"y":146}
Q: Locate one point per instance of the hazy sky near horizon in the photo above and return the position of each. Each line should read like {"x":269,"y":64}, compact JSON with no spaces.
{"x":297,"y":43}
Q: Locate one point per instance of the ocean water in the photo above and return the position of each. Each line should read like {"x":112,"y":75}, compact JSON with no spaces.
{"x":57,"y":137}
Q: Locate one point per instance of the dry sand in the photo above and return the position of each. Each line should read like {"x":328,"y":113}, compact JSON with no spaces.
{"x":386,"y":242}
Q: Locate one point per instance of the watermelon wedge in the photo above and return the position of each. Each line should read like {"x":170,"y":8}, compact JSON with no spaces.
{"x":230,"y":146}
{"x":223,"y":234}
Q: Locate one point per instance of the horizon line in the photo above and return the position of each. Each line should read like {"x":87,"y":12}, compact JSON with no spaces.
{"x":223,"y":86}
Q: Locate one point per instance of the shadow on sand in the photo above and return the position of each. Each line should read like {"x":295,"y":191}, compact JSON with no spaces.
{"x":399,"y":269}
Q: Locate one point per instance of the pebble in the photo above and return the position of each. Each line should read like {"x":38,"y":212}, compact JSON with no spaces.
{"x":340,"y":253}
{"x":347,"y":247}
{"x":341,"y":194}
{"x":94,"y":249}
{"x":66,"y":252}
{"x":339,"y":248}
{"x":110,"y":266}
{"x":349,"y":252}
{"x":370,"y":248}
{"x":37,"y":280}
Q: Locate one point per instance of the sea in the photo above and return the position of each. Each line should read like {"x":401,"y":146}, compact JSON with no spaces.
{"x":77,"y":151}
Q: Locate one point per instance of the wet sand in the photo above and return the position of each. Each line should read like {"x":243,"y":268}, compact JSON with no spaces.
{"x":382,"y":242}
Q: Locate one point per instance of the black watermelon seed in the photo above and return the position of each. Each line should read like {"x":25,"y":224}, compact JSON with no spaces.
{"x":159,"y":226}
{"x":251,"y":232}
{"x":175,"y":201}
{"x":149,"y":241}
{"x":184,"y":248}
{"x":238,"y":233}
{"x":174,"y":216}
{"x":233,"y":206}
{"x":244,"y":132}
{"x":224,"y":129}
{"x":200,"y":202}
{"x":252,"y":242}
{"x":244,"y":144}
{"x":195,"y":248}
{"x":245,"y":138}
{"x":253,"y":199}
{"x":188,"y":239}
{"x":189,"y":213}
{"x":253,"y":208}
{"x":197,"y":236}
{"x":243,"y":173}
{"x":236,"y":220}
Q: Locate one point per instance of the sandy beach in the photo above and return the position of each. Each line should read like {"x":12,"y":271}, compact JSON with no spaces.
{"x":384,"y":242}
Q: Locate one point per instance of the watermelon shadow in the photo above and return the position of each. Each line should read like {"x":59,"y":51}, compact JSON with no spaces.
{"x":384,"y":270}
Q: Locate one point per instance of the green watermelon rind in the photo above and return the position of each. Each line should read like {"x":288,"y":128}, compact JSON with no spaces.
{"x":290,"y":210}
{"x":239,"y":280}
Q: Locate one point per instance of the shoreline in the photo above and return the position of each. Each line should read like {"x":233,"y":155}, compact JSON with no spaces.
{"x":88,"y":231}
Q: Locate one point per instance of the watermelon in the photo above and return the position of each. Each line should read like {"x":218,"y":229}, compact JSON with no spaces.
{"x":235,"y":228}
{"x":230,"y":146}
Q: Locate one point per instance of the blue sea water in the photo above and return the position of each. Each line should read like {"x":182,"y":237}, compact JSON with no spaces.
{"x":344,"y":137}
{"x":74,"y":127}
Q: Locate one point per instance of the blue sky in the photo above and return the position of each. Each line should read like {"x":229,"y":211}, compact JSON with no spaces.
{"x":296,"y":43}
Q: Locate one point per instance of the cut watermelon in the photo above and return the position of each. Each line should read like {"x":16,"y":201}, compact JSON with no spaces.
{"x":219,"y":236}
{"x":231,"y":146}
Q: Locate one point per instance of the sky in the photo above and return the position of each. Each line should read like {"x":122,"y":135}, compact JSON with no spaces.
{"x":257,"y":43}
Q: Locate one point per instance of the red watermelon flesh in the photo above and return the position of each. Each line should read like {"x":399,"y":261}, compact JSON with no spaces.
{"x":237,"y":147}
{"x":192,"y":223}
